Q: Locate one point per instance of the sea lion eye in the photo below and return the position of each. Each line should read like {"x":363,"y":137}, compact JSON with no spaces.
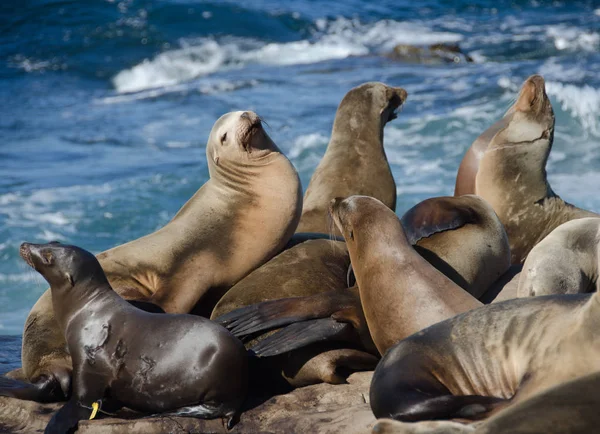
{"x":351,"y":234}
{"x":223,"y":138}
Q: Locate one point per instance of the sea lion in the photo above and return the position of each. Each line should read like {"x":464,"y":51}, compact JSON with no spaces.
{"x":505,"y":287}
{"x":400,"y":292}
{"x":241,"y":217}
{"x":461,"y":237}
{"x":355,"y":160}
{"x":565,"y":262}
{"x":489,"y":358}
{"x":190,"y":366}
{"x":512,"y":173}
{"x":568,"y":408}
{"x":469,"y":166}
{"x":314,"y":271}
{"x":435,"y":53}
{"x":437,"y":227}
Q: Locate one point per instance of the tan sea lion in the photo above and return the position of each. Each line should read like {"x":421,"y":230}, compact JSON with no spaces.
{"x":567,"y":408}
{"x":438,"y":227}
{"x":239,"y":219}
{"x":462,"y":237}
{"x":355,"y":160}
{"x":565,"y":262}
{"x":190,"y":366}
{"x":512,"y":173}
{"x":467,"y":171}
{"x":400,"y":292}
{"x":486,"y":359}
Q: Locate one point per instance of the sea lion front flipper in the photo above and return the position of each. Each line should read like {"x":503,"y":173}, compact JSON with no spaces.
{"x":67,"y":418}
{"x":44,"y":390}
{"x":301,"y":334}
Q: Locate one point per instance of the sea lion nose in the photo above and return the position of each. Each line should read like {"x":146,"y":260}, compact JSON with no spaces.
{"x":250,"y":117}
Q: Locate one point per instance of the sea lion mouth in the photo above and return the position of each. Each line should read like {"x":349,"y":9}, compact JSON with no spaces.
{"x":25,"y":252}
{"x":252,"y":124}
{"x":395,"y":103}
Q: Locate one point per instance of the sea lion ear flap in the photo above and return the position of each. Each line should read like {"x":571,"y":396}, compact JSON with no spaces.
{"x":70,"y":279}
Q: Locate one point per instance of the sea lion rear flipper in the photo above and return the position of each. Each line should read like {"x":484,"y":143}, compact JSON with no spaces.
{"x":422,"y":406}
{"x":67,"y":418}
{"x":267,"y":315}
{"x":45,"y":390}
{"x":301,"y":334}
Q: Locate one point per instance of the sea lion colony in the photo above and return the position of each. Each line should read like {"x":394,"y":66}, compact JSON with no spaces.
{"x":358,"y":289}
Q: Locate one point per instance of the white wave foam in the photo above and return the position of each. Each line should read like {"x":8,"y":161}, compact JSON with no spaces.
{"x":573,"y":38}
{"x":335,"y":39}
{"x":582,"y":102}
{"x":308,"y":142}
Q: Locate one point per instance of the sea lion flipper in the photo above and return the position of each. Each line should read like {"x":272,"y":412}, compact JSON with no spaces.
{"x":301,"y":334}
{"x":45,"y":390}
{"x":267,"y":315}
{"x":67,"y":418}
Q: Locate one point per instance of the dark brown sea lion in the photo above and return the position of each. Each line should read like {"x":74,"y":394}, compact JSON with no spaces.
{"x":355,"y":160}
{"x":565,"y":262}
{"x":305,"y":282}
{"x":488,"y":358}
{"x":400,"y":292}
{"x":512,"y":173}
{"x":190,"y":365}
{"x":240,"y":218}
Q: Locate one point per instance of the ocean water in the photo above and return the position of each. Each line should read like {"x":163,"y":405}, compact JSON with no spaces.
{"x":107,"y":105}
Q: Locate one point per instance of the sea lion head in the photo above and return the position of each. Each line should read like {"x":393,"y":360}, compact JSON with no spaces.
{"x":62,"y":265}
{"x":531,"y":117}
{"x":365,"y":222}
{"x":366,"y":103}
{"x":238,"y":137}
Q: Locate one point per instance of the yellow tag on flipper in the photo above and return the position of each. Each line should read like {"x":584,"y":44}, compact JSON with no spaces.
{"x":95,"y":407}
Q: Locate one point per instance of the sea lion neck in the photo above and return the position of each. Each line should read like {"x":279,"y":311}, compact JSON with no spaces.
{"x":356,"y":128}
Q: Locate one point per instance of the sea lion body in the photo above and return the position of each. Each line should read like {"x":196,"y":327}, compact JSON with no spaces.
{"x":239,"y":219}
{"x":400,"y":292}
{"x":355,"y":160}
{"x":488,"y":358}
{"x":565,"y":262}
{"x":512,"y":173}
{"x":440,"y":226}
{"x":190,"y":364}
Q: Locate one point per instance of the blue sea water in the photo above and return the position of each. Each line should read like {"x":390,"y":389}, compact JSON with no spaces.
{"x":107,"y":105}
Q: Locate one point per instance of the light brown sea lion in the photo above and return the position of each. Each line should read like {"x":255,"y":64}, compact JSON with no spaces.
{"x":440,"y":226}
{"x":240,"y":218}
{"x":486,"y":359}
{"x":189,"y":366}
{"x":512,"y":173}
{"x":400,"y":292}
{"x":355,"y":160}
{"x":567,"y":408}
{"x":565,"y":262}
{"x":467,"y":171}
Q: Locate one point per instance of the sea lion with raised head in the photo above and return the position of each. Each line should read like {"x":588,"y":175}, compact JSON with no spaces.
{"x":460,"y":236}
{"x":565,"y":262}
{"x":241,"y":217}
{"x":355,"y":160}
{"x":512,"y":173}
{"x":189,"y":366}
{"x":400,"y":292}
{"x":486,"y":359}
